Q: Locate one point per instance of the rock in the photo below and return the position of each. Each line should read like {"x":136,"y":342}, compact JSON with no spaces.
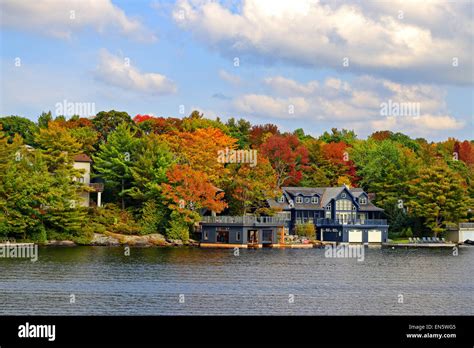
{"x":60,"y":243}
{"x":104,"y":240}
{"x":157,"y":239}
{"x":192,"y":242}
{"x":176,"y":242}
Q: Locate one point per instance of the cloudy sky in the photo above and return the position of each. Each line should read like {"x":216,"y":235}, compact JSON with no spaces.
{"x":309,"y":63}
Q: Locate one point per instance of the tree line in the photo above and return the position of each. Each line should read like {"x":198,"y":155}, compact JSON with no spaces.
{"x":162,"y":173}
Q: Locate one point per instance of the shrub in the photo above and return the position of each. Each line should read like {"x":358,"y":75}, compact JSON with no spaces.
{"x":408,"y":232}
{"x":178,"y":229}
{"x":153,"y":218}
{"x":306,"y":230}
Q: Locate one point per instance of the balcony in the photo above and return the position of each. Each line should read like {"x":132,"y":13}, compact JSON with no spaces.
{"x":466,"y":225}
{"x":97,"y":186}
{"x":243,"y":220}
{"x":336,"y":222}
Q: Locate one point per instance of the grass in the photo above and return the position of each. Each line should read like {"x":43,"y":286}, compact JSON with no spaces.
{"x":400,"y":241}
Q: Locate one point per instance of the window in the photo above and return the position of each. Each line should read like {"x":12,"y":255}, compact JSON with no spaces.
{"x":328,"y":214}
{"x":328,"y":207}
{"x":343,"y":195}
{"x":315,"y":200}
{"x":363,"y":200}
{"x":299,"y":199}
{"x":343,"y":204}
{"x":237,"y":236}
{"x":206,"y":237}
{"x":281,"y":199}
{"x":307,"y":200}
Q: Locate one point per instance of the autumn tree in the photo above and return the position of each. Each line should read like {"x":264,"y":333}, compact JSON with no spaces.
{"x":288,"y":157}
{"x":260,"y":133}
{"x":188,"y":191}
{"x":250,"y":186}
{"x":438,"y":196}
{"x":199,"y":149}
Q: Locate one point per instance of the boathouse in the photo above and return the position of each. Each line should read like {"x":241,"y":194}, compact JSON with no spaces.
{"x":241,"y":231}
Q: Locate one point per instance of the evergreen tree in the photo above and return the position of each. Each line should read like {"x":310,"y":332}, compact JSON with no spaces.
{"x":115,"y":158}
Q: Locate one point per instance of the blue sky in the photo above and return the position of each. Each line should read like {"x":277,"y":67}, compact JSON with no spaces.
{"x":291,"y":58}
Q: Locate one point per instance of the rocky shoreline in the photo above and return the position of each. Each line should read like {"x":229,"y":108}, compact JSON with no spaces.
{"x":115,"y":239}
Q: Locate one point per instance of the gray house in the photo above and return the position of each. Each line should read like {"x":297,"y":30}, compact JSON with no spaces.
{"x":340,"y":214}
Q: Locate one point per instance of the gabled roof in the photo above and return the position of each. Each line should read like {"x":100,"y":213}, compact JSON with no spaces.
{"x":326,"y":194}
{"x":82,"y":157}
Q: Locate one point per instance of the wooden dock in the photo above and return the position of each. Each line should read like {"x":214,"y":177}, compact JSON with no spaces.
{"x":419,"y":245}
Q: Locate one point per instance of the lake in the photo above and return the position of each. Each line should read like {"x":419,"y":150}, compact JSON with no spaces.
{"x":192,"y":281}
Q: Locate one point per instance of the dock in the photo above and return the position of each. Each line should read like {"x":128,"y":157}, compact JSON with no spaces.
{"x":420,"y":245}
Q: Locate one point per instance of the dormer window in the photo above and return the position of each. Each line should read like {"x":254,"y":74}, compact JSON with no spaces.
{"x":299,"y":199}
{"x":314,"y":200}
{"x":343,"y":195}
{"x":328,"y":207}
{"x":307,"y":200}
{"x":281,"y":199}
{"x":363,"y":200}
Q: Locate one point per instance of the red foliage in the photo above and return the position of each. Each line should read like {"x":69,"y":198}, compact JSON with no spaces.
{"x":381,"y":135}
{"x":79,"y":123}
{"x":288,"y":157}
{"x":465,"y":151}
{"x":140,"y":118}
{"x":338,"y":154}
{"x":258,"y":133}
{"x":159,"y":125}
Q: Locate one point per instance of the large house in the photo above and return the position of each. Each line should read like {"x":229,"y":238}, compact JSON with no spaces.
{"x":340,"y":214}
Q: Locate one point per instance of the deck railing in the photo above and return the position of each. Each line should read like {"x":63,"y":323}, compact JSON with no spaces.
{"x":466,"y":225}
{"x":334,"y":222}
{"x":243,"y":219}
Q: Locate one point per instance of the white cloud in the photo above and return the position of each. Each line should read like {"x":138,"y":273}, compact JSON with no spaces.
{"x":285,"y":86}
{"x":119,"y":72}
{"x":231,"y":78}
{"x":356,"y":104}
{"x":63,"y":18}
{"x":419,"y":47}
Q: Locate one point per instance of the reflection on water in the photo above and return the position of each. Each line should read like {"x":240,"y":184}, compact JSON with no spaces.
{"x":151,"y":280}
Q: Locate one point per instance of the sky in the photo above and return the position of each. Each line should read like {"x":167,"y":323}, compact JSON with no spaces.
{"x":364,"y":65}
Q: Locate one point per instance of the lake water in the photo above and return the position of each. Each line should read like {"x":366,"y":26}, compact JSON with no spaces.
{"x":183,"y":281}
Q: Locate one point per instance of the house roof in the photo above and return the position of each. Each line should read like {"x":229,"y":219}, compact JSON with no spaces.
{"x":82,"y":157}
{"x":326,"y":194}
